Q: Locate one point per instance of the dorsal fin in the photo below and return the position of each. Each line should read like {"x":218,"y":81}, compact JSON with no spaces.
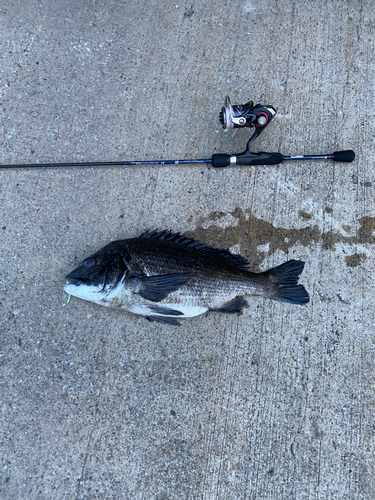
{"x":166,"y":235}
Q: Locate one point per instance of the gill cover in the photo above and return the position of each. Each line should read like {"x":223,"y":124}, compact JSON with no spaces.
{"x":97,"y":274}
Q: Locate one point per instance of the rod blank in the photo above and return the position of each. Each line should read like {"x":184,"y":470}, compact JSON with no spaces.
{"x":225,"y":160}
{"x":104,"y":163}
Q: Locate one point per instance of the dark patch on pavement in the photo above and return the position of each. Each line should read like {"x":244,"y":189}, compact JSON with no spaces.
{"x":304,"y":215}
{"x":189,"y":12}
{"x":355,"y":260}
{"x":250,"y":232}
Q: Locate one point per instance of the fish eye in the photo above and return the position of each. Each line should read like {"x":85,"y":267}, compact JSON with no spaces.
{"x":89,"y":262}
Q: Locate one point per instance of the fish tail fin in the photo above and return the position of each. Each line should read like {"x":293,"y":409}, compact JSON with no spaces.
{"x":285,"y":279}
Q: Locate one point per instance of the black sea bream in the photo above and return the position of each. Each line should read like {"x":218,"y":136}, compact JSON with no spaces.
{"x":165,"y":276}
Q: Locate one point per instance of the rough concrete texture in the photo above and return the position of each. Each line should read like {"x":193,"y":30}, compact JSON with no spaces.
{"x":275,"y":404}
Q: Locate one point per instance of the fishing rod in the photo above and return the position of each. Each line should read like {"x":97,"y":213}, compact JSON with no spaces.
{"x":231,"y":116}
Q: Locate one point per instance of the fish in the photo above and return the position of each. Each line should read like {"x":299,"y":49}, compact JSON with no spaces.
{"x":166,"y":276}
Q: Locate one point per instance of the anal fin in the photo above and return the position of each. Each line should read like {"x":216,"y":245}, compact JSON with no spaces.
{"x":233,"y":307}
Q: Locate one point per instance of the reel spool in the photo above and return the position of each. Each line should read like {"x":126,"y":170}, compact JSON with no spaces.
{"x":245,"y":115}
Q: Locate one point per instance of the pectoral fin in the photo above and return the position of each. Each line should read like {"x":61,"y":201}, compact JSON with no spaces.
{"x":156,"y":288}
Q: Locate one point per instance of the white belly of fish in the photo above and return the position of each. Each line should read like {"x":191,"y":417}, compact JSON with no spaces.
{"x":124,"y":298}
{"x":186,"y":311}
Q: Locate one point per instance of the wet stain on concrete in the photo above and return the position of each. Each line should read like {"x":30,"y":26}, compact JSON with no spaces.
{"x":252,"y":232}
{"x":304,"y":215}
{"x":355,"y":260}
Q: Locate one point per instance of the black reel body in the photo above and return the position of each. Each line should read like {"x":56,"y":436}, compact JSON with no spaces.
{"x":247,"y":115}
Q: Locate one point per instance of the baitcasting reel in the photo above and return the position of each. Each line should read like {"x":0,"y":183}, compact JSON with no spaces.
{"x":231,"y":116}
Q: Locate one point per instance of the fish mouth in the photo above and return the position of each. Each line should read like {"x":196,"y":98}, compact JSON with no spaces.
{"x":72,"y":280}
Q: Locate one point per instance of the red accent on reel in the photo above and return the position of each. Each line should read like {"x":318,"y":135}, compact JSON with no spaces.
{"x":262,"y":123}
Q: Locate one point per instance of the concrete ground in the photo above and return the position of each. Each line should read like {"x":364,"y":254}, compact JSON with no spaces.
{"x":275,"y":404}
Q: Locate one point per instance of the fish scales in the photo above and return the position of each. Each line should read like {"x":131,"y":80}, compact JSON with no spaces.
{"x":211,"y":270}
{"x":162,"y":275}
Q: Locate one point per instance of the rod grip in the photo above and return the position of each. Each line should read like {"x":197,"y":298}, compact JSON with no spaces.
{"x":259,"y":158}
{"x":247,"y":158}
{"x":344,"y":156}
